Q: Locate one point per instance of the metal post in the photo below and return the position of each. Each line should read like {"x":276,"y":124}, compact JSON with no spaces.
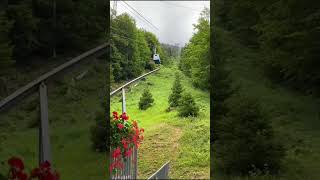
{"x":135,"y":163}
{"x":123,"y":101}
{"x":44,"y":140}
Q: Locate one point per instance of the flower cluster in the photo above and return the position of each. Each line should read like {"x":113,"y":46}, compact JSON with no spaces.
{"x":126,"y":135}
{"x":16,"y":169}
{"x":44,"y":172}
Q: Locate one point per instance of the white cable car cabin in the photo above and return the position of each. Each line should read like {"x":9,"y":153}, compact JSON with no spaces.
{"x":156,"y":59}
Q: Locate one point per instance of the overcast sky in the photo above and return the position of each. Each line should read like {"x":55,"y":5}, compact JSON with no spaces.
{"x":173,"y":19}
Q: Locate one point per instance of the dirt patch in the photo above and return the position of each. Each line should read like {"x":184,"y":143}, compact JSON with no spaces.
{"x":158,"y":147}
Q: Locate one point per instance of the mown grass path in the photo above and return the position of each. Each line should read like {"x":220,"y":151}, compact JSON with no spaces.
{"x":183,"y":141}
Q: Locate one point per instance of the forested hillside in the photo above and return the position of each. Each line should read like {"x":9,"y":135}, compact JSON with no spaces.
{"x":195,"y":58}
{"x":31,"y":30}
{"x":265,"y":89}
{"x":286,"y":32}
{"x":131,"y":48}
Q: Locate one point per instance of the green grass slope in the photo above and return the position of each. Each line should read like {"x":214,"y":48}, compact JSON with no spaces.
{"x":183,"y":141}
{"x":72,"y":108}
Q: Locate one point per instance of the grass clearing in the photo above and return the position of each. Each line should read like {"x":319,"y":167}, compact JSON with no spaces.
{"x":183,"y":141}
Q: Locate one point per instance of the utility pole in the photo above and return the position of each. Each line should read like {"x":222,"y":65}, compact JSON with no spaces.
{"x":54,"y":29}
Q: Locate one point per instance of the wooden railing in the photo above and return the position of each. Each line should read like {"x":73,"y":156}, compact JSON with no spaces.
{"x":130,"y":169}
{"x":39,"y":85}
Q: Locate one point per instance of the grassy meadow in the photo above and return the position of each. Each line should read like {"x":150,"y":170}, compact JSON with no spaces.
{"x":72,"y":108}
{"x":185,"y":142}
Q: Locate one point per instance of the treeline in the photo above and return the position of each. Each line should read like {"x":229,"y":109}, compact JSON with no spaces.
{"x":195,"y":56}
{"x":287,"y":33}
{"x":28,"y":28}
{"x":131,"y":48}
{"x":171,"y":50}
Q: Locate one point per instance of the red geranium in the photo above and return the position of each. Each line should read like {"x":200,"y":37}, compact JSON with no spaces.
{"x":44,"y":172}
{"x":16,"y":163}
{"x":126,"y":135}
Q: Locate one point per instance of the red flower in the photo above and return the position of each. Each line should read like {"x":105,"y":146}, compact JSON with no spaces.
{"x":116,"y":152}
{"x":141,"y":138}
{"x":21,"y":175}
{"x":16,"y":163}
{"x":115,"y":115}
{"x":128,"y":153}
{"x":135,"y":124}
{"x":120,"y":126}
{"x":45,"y":166}
{"x":124,"y":116}
{"x":124,"y":143}
{"x":50,"y":176}
{"x":141,"y":130}
{"x":111,"y":167}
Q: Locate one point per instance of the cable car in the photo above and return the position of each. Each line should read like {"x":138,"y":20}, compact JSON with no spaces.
{"x":156,"y":59}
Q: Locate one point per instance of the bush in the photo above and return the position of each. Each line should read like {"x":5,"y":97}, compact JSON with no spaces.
{"x":188,"y":106}
{"x":146,"y":100}
{"x":99,"y":133}
{"x":150,"y":65}
{"x":174,"y":98}
{"x":246,"y":139}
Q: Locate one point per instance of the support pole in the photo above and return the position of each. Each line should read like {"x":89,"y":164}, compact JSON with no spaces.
{"x":135,"y":163}
{"x":123,"y":101}
{"x":44,"y":139}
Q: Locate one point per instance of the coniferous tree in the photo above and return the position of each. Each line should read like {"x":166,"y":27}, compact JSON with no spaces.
{"x":175,"y":96}
{"x":146,"y":100}
{"x":246,"y":139}
{"x":188,"y":106}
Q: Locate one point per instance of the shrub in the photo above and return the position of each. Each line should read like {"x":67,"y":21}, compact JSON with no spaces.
{"x":99,"y":133}
{"x":174,"y":98}
{"x":150,"y":65}
{"x":146,"y":100}
{"x":188,"y":106}
{"x":246,"y":139}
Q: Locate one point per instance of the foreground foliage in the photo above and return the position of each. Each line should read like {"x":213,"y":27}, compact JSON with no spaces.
{"x":246,"y":139}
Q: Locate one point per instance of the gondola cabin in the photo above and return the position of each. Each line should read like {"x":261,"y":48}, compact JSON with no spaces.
{"x":156,"y":59}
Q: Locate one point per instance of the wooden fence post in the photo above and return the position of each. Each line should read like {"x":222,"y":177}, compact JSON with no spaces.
{"x":44,"y":139}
